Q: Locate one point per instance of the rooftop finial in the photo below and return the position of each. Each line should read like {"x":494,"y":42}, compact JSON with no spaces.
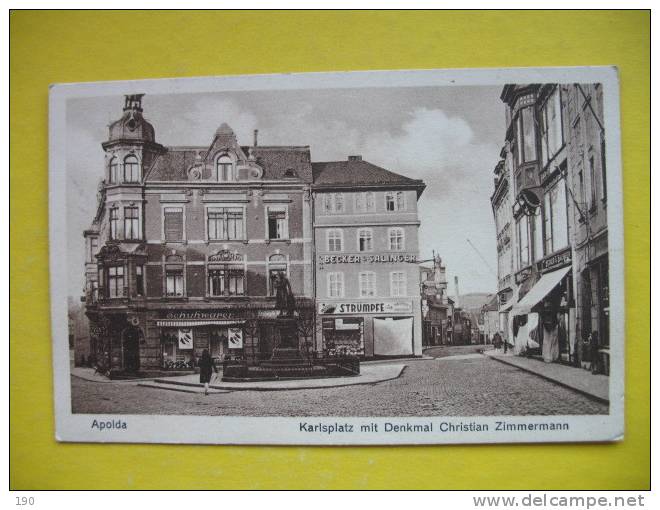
{"x":133,"y":102}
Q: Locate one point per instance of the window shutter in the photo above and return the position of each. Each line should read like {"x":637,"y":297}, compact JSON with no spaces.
{"x":173,"y":225}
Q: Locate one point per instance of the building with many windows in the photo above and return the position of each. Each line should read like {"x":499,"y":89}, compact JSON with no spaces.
{"x":553,"y":171}
{"x":366,"y":256}
{"x":186,"y":241}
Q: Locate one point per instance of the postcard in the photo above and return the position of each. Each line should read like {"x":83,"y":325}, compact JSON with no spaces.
{"x":382,"y":257}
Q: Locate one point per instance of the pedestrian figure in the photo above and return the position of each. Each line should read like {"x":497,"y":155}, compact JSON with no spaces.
{"x":595,"y":355}
{"x":497,"y":341}
{"x":206,"y":369}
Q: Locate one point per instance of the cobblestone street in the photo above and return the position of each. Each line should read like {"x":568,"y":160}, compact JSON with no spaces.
{"x":441,"y":387}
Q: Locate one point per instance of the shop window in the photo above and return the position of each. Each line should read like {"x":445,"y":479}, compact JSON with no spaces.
{"x":555,"y":218}
{"x":592,"y":178}
{"x":552,"y":137}
{"x":397,"y":284}
{"x":522,"y":231}
{"x":364,"y":202}
{"x":114,"y":223}
{"x":396,"y":239}
{"x":526,"y":135}
{"x":113,"y":176}
{"x":131,"y":169}
{"x":343,"y":336}
{"x":139,"y":280}
{"x":224,"y":168}
{"x":395,"y":201}
{"x":365,"y":239}
{"x":174,"y":282}
{"x":335,"y":238}
{"x":537,"y":219}
{"x":333,"y":203}
{"x":367,"y":284}
{"x":93,"y":248}
{"x":226,"y":281}
{"x":276,"y":265}
{"x":225,"y":223}
{"x":131,"y":223}
{"x":173,"y":224}
{"x":115,"y":281}
{"x":277,"y":223}
{"x":335,"y":285}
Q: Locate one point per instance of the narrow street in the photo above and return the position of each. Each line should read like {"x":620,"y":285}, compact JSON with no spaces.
{"x":473,"y":386}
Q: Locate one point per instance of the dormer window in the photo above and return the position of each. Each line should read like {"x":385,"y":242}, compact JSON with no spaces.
{"x":112,"y":171}
{"x":131,"y":169}
{"x":224,"y":168}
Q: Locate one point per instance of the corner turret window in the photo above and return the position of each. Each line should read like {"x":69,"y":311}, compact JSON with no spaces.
{"x":131,"y":169}
{"x":112,"y":171}
{"x":114,"y":223}
{"x":224,"y":168}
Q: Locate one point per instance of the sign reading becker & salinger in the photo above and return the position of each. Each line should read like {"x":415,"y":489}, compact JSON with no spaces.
{"x":368,"y":259}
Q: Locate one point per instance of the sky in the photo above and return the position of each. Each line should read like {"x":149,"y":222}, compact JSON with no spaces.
{"x":448,"y":136}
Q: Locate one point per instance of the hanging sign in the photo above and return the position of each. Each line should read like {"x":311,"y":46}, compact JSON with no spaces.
{"x":235,"y":338}
{"x":185,"y":338}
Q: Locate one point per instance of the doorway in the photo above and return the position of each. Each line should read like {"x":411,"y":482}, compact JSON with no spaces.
{"x":131,"y":349}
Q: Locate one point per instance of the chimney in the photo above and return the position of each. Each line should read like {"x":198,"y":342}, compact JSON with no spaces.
{"x":256,"y":133}
{"x":355,"y":158}
{"x":457,"y":303}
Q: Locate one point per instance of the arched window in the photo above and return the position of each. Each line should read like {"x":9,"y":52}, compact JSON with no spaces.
{"x":112,"y":171}
{"x":224,"y":168}
{"x":131,"y":169}
{"x":276,"y":264}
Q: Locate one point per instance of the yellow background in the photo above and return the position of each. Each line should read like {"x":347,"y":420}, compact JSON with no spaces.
{"x":63,"y":46}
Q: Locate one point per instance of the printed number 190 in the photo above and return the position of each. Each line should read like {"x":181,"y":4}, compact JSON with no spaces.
{"x":24,"y":500}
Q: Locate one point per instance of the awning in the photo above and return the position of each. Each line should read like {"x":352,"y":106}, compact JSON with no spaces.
{"x":541,"y":289}
{"x":182,"y":323}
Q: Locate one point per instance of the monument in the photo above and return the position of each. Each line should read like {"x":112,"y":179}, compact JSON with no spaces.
{"x":287,"y":360}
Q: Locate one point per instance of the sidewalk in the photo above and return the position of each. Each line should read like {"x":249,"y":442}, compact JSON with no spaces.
{"x":368,"y":375}
{"x":595,"y":386}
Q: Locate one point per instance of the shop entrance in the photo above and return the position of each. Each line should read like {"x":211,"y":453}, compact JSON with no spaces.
{"x":131,"y":349}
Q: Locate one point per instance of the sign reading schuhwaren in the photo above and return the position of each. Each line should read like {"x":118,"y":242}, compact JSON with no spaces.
{"x":365,"y":307}
{"x":368,"y":259}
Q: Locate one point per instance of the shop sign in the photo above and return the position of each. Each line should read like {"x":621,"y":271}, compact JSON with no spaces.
{"x":235,"y":339}
{"x":368,"y":259}
{"x":555,"y":261}
{"x":199,"y":315}
{"x":185,"y":338}
{"x":365,"y":307}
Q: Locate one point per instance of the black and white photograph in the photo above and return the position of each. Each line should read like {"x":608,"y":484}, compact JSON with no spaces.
{"x":382,"y":257}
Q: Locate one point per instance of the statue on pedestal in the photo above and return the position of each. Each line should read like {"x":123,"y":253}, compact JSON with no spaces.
{"x":284,"y":300}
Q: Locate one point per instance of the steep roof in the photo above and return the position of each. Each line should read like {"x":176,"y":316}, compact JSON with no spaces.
{"x":357,"y":172}
{"x":278,"y":162}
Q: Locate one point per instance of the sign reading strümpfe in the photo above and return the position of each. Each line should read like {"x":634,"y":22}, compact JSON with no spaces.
{"x":365,"y":307}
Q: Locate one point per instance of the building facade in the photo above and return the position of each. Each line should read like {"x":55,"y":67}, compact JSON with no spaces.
{"x":555,"y":147}
{"x":367,"y":281}
{"x":185,"y":243}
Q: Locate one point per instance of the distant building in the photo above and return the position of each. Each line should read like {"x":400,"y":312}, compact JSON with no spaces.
{"x":436,"y":305}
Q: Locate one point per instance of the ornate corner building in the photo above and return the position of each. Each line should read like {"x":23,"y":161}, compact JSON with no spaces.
{"x":187,"y":241}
